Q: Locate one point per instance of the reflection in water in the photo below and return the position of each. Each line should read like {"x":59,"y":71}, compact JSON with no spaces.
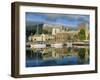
{"x":57,"y":56}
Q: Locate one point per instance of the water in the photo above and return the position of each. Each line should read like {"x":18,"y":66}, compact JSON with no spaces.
{"x":57,"y":56}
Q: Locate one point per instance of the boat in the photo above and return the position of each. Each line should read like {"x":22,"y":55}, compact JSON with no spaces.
{"x":38,"y":45}
{"x":57,"y":45}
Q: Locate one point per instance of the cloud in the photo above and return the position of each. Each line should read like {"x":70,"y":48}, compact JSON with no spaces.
{"x":64,"y":19}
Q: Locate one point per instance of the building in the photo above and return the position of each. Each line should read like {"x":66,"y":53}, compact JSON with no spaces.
{"x":55,"y":31}
{"x":42,"y":37}
{"x":65,"y":36}
{"x":52,"y":28}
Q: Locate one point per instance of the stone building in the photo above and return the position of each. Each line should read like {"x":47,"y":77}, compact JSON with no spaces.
{"x":52,"y":28}
{"x":42,"y":37}
{"x":65,"y":36}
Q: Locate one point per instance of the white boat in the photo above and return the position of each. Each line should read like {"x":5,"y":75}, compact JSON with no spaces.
{"x":57,"y":45}
{"x":38,"y":46}
{"x":69,"y":44}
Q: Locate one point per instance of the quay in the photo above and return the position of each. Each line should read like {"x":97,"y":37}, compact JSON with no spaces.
{"x":56,"y":45}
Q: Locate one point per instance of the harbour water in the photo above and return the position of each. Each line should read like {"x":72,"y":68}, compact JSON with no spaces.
{"x":51,"y":56}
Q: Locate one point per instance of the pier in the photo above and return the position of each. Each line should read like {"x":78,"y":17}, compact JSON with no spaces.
{"x":56,"y":45}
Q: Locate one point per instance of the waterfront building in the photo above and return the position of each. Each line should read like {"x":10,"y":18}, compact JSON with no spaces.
{"x":65,"y":36}
{"x":52,"y":28}
{"x":41,"y":37}
{"x":55,"y":31}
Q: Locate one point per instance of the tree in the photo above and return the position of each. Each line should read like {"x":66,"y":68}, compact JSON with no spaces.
{"x":81,"y":34}
{"x":88,"y":37}
{"x":45,"y":31}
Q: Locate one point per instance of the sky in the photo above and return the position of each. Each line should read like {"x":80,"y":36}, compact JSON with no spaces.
{"x":53,"y":18}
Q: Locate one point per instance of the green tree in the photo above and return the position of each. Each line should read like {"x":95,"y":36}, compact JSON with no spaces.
{"x":81,"y":34}
{"x":88,"y":37}
{"x":45,"y":31}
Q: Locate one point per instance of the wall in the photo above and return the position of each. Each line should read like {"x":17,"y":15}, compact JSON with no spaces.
{"x":5,"y":40}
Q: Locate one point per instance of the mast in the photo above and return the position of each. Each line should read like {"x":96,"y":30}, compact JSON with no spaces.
{"x":37,"y":29}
